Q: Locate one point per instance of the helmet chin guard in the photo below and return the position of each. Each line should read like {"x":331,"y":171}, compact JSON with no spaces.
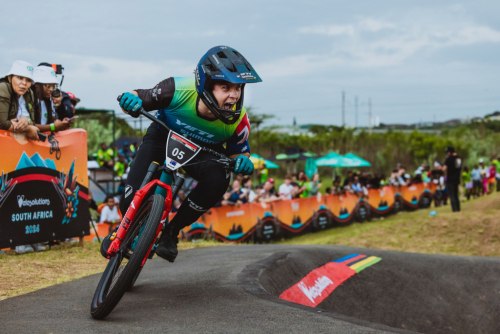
{"x":223,"y":63}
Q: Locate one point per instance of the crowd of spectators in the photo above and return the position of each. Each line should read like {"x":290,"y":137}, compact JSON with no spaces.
{"x":31,"y":101}
{"x":479,"y":180}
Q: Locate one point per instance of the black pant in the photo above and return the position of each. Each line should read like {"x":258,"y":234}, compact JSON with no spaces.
{"x":453,"y":194}
{"x":213,"y":179}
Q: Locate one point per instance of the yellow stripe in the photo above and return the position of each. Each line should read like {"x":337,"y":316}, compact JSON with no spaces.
{"x":362,"y":263}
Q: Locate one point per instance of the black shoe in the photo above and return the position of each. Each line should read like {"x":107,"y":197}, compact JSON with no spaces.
{"x":106,"y":242}
{"x":167,"y":248}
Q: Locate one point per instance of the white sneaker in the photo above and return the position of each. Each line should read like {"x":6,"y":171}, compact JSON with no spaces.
{"x":24,"y":249}
{"x":39,"y":247}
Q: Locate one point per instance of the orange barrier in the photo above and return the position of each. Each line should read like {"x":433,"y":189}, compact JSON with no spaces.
{"x":261,"y":222}
{"x":43,"y":187}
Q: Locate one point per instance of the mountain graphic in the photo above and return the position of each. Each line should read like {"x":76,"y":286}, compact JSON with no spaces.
{"x":35,"y":161}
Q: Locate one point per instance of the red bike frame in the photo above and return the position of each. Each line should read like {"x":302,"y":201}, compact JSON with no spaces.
{"x":130,"y":215}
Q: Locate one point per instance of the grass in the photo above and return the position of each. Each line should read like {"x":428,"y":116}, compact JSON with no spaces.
{"x":20,"y":274}
{"x":475,"y":231}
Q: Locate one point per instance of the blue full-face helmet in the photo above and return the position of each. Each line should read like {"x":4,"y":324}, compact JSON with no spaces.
{"x":223,"y":63}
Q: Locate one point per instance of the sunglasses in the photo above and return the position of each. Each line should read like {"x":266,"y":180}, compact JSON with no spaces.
{"x":50,"y":86}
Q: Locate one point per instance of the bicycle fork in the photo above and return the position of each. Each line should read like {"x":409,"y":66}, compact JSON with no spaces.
{"x":132,"y":210}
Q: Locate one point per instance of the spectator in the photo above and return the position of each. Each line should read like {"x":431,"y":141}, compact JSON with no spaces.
{"x":302,"y":181}
{"x":125,"y":151}
{"x":286,"y":189}
{"x":492,"y":172}
{"x":235,"y":195}
{"x":497,"y":164}
{"x":247,"y":190}
{"x":452,"y":166}
{"x":265,"y":194}
{"x":476,"y":181}
{"x":111,"y":151}
{"x":294,"y":177}
{"x":62,"y":104}
{"x":485,"y":174}
{"x":109,"y":213}
{"x":103,"y":158}
{"x":74,"y":101}
{"x":314,"y":186}
{"x":348,"y":179}
{"x":120,"y":166}
{"x":46,"y":117}
{"x":17,"y":100}
{"x":357,"y":187}
{"x":467,"y":181}
{"x":336,"y":188}
{"x":133,"y":149}
{"x":296,"y":190}
{"x":263,"y":174}
{"x":394,"y":179}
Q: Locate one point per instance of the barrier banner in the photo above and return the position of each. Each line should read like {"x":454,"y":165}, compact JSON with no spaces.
{"x":381,"y":201}
{"x":264,"y":222}
{"x":43,"y":188}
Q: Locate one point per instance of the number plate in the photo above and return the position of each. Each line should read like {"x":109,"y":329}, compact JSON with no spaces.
{"x":180,"y":150}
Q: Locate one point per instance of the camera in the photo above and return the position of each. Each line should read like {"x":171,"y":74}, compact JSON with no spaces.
{"x":58,"y":68}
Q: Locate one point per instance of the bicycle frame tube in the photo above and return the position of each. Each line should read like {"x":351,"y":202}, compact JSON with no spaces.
{"x":132,"y":210}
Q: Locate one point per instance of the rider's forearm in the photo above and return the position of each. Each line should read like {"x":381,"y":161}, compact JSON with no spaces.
{"x":234,"y":156}
{"x":158,"y":97}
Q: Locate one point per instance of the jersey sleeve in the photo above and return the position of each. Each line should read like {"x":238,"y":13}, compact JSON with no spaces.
{"x":158,"y":97}
{"x":238,"y":142}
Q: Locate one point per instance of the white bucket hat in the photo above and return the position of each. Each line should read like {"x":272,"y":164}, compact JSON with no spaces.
{"x":22,"y":68}
{"x":45,"y":75}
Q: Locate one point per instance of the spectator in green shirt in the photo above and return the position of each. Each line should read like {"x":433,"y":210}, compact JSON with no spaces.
{"x":467,"y":182}
{"x":103,"y":158}
{"x":120,"y":166}
{"x":263,"y":173}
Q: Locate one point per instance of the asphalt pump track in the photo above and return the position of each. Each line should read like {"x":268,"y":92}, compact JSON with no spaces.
{"x":232,"y":289}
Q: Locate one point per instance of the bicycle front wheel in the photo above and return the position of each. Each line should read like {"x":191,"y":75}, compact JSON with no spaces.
{"x":123,"y":268}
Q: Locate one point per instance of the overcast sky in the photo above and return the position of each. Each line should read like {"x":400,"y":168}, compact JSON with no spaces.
{"x":416,"y":60}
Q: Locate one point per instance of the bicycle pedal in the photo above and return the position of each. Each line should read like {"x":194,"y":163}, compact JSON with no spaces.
{"x":152,"y":253}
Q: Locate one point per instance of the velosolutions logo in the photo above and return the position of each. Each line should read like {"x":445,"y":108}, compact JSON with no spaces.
{"x":26,"y":202}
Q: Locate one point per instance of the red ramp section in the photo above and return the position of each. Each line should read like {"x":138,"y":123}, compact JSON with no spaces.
{"x":319,"y":283}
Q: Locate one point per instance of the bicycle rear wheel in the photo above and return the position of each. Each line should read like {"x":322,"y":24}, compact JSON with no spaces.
{"x":123,"y":268}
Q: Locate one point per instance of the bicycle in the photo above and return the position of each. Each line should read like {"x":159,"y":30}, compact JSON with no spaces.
{"x":138,"y":233}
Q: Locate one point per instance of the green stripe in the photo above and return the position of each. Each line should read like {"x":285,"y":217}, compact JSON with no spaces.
{"x":368,"y":264}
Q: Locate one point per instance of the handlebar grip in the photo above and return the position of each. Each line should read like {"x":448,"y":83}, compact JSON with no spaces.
{"x":42,"y":137}
{"x":119,"y":98}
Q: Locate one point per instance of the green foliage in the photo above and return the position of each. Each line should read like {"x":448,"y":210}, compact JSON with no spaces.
{"x":96,"y":133}
{"x":385,"y":150}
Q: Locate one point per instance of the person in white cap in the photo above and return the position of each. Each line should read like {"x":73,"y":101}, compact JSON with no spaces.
{"x":17,"y":100}
{"x":46,"y":117}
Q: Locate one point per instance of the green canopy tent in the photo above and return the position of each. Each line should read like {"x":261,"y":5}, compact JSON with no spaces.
{"x":336,"y":160}
{"x":293,"y":154}
{"x":355,"y":161}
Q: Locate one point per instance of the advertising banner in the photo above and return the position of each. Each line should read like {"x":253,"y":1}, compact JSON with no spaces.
{"x":43,"y":188}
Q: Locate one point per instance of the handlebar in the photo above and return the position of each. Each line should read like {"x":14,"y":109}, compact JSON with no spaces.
{"x":222,"y":159}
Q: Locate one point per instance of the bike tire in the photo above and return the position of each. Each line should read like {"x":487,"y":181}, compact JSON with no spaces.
{"x":107,"y":294}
